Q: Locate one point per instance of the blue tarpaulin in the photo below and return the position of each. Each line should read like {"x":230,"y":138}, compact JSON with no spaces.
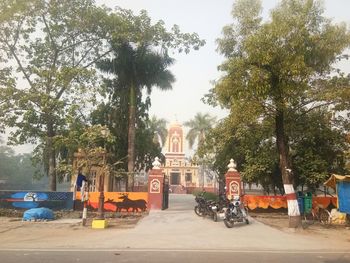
{"x":343,"y":189}
{"x":41,"y":213}
{"x":341,"y":183}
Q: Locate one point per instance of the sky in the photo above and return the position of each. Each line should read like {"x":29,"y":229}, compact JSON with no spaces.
{"x":195,"y":72}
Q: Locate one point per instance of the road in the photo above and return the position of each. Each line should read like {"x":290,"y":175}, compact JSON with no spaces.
{"x":171,"y":256}
{"x":173,"y":235}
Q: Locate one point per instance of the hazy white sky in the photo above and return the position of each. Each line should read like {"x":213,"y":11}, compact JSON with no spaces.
{"x":196,"y":70}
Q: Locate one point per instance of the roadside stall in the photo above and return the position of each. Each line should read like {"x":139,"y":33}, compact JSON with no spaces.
{"x":341,"y":185}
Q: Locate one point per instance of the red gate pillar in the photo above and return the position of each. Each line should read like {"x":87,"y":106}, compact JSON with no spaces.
{"x":233,"y":181}
{"x":155,"y":186}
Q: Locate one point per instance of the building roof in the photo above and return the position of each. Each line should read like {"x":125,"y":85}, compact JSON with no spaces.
{"x":332,"y":181}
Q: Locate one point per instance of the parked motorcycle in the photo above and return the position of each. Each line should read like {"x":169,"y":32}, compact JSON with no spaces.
{"x":235,"y":212}
{"x":204,"y":207}
{"x":199,"y":209}
{"x":219,"y":207}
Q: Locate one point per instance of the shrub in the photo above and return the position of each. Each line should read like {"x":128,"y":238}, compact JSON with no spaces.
{"x":206,"y":195}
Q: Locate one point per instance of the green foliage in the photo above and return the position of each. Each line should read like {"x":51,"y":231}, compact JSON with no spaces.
{"x":17,"y":171}
{"x":199,"y":127}
{"x":146,"y":148}
{"x":317,"y":148}
{"x":159,"y":129}
{"x":141,"y":30}
{"x":135,"y":68}
{"x":138,"y":64}
{"x":92,"y":142}
{"x":206,"y":195}
{"x":276,"y":74}
{"x":54,"y":45}
{"x":114,"y":116}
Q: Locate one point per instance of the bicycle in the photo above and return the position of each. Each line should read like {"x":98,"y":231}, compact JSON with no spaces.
{"x":319,"y":214}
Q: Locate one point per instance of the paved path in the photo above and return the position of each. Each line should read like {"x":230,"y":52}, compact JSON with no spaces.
{"x":180,"y":228}
{"x":177,"y":228}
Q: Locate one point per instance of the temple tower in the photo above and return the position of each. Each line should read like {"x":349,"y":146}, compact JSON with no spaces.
{"x":182,"y":173}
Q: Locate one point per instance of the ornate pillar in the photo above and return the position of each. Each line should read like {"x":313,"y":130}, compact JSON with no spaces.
{"x":155,"y":186}
{"x":233,"y":181}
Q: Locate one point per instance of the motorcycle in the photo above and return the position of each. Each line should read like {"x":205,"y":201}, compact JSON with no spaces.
{"x":219,"y":207}
{"x":204,"y":207}
{"x":235,"y":212}
{"x":199,"y":209}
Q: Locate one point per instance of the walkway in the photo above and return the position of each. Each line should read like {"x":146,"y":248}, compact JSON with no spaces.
{"x":180,"y":228}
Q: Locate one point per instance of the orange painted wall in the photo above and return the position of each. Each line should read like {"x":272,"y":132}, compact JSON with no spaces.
{"x":276,"y":202}
{"x":111,"y":199}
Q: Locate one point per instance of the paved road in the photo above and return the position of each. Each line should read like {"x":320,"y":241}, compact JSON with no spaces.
{"x":171,"y":256}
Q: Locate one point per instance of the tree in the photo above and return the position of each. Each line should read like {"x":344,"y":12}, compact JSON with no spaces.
{"x":52,"y":45}
{"x":136,"y":68}
{"x":17,"y":171}
{"x":199,"y":127}
{"x":318,"y":148}
{"x":317,"y":143}
{"x":158,"y":127}
{"x":115,"y":115}
{"x":142,"y":62}
{"x":279,"y":67}
{"x":253,"y":148}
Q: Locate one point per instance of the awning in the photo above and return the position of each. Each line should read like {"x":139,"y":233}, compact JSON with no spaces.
{"x":332,"y":181}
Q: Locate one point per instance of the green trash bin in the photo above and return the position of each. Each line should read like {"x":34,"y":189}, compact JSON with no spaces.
{"x":307,"y":202}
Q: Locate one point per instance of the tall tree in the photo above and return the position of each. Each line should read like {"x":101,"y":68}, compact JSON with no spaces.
{"x":199,"y":127}
{"x":279,"y":67}
{"x":136,"y":68}
{"x":52,"y":44}
{"x":142,"y":62}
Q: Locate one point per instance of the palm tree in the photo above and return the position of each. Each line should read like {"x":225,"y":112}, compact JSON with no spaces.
{"x":158,"y":127}
{"x":136,"y":67}
{"x":199,"y":126}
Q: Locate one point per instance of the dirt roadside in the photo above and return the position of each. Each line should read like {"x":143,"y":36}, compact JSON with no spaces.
{"x":123,"y":220}
{"x":309,"y":228}
{"x":65,"y":232}
{"x":67,"y":222}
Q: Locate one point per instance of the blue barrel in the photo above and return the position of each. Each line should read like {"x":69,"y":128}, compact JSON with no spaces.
{"x":300,"y":198}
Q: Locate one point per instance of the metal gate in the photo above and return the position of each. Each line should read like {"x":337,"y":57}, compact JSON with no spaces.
{"x":165,"y":203}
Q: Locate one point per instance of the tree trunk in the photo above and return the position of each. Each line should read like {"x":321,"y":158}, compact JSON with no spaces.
{"x":131,"y":139}
{"x":51,"y":158}
{"x":286,"y":171}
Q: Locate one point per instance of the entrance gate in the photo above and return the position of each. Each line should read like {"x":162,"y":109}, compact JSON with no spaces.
{"x":165,"y":202}
{"x":158,"y":189}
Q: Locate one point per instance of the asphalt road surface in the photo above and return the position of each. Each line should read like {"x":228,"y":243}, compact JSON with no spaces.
{"x":172,"y":256}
